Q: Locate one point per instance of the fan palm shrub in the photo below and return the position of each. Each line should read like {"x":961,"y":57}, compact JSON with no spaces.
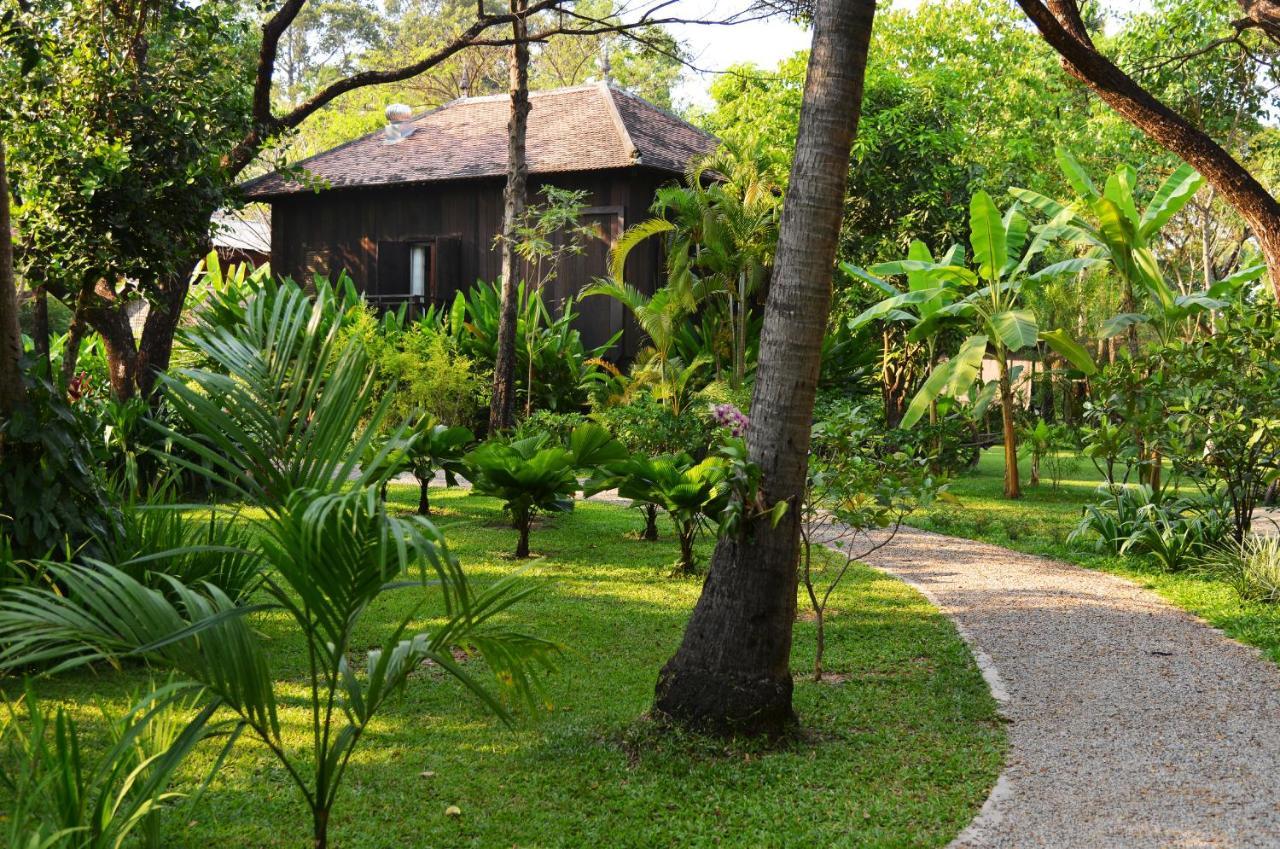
{"x":534,"y":475}
{"x":431,"y":447}
{"x":528,"y":476}
{"x":693,"y":494}
{"x":284,"y":431}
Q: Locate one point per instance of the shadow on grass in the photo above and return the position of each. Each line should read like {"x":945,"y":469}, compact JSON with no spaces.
{"x":901,"y":754}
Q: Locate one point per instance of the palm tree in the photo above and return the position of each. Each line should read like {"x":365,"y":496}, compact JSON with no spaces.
{"x":660,"y":316}
{"x":281,"y":417}
{"x":732,"y":671}
{"x":721,"y":230}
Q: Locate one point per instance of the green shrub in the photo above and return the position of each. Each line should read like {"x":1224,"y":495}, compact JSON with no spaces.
{"x":645,"y":425}
{"x":52,"y":491}
{"x":1251,"y":567}
{"x":434,"y":378}
{"x":1175,"y":532}
{"x":64,"y":794}
{"x":563,"y":369}
{"x":558,"y":426}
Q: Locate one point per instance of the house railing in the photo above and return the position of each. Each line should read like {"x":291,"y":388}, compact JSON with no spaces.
{"x":416,"y":304}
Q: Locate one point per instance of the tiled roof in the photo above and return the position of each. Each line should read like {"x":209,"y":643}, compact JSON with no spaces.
{"x":584,"y":128}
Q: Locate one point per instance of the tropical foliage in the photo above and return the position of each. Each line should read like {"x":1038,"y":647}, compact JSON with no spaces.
{"x":284,"y":432}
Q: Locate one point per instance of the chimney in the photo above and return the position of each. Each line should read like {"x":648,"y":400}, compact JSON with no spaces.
{"x":464,"y":84}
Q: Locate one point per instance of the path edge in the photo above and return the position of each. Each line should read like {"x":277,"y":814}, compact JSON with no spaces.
{"x":992,"y":811}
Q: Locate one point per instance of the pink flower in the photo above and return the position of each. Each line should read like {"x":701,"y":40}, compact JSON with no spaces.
{"x":727,"y":415}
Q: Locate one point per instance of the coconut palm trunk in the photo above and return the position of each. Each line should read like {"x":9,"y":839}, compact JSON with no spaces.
{"x":732,"y":671}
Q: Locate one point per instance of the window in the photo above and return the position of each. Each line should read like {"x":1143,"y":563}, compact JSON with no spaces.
{"x":418,"y":276}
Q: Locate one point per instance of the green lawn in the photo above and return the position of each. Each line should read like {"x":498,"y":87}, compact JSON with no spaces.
{"x":900,"y":753}
{"x":1040,"y":522}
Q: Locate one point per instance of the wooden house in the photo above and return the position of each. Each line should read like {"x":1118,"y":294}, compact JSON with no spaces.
{"x":412,"y":212}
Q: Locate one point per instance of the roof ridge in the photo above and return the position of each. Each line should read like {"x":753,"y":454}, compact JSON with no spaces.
{"x":628,"y":144}
{"x":536,"y":92}
{"x":667,"y":112}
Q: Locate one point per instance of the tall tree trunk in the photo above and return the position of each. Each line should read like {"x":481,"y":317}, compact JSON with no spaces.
{"x":504,"y":369}
{"x":155,"y":345}
{"x":40,"y":330}
{"x":75,"y":335}
{"x":1061,"y":25}
{"x":13,"y":393}
{"x":732,"y":671}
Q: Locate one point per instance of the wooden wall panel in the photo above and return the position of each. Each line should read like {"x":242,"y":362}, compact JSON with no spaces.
{"x":350,"y":224}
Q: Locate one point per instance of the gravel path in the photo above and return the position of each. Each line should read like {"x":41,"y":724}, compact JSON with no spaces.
{"x":1132,"y":724}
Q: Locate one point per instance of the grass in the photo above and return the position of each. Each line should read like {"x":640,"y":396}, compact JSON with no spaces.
{"x":1040,"y":522}
{"x":901,"y":752}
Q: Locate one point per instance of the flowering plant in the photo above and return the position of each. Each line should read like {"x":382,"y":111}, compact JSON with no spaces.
{"x":729,"y":416}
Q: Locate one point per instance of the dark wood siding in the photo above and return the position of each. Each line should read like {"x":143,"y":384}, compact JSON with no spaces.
{"x":366,"y":233}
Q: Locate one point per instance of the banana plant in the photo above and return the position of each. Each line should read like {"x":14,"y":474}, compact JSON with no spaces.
{"x":920,"y":305}
{"x":1109,"y":226}
{"x":1169,"y":312}
{"x":993,"y":308}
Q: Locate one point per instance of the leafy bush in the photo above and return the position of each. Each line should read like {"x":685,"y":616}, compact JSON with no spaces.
{"x":434,"y":378}
{"x":558,"y":426}
{"x":1175,"y":532}
{"x":645,"y":425}
{"x":1252,"y":567}
{"x":1108,"y":446}
{"x":158,"y":540}
{"x":563,"y":369}
{"x":1223,"y":407}
{"x":693,"y":494}
{"x":52,"y":494}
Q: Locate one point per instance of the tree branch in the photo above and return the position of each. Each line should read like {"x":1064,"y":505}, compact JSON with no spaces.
{"x":272,"y":31}
{"x":1061,"y":29}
